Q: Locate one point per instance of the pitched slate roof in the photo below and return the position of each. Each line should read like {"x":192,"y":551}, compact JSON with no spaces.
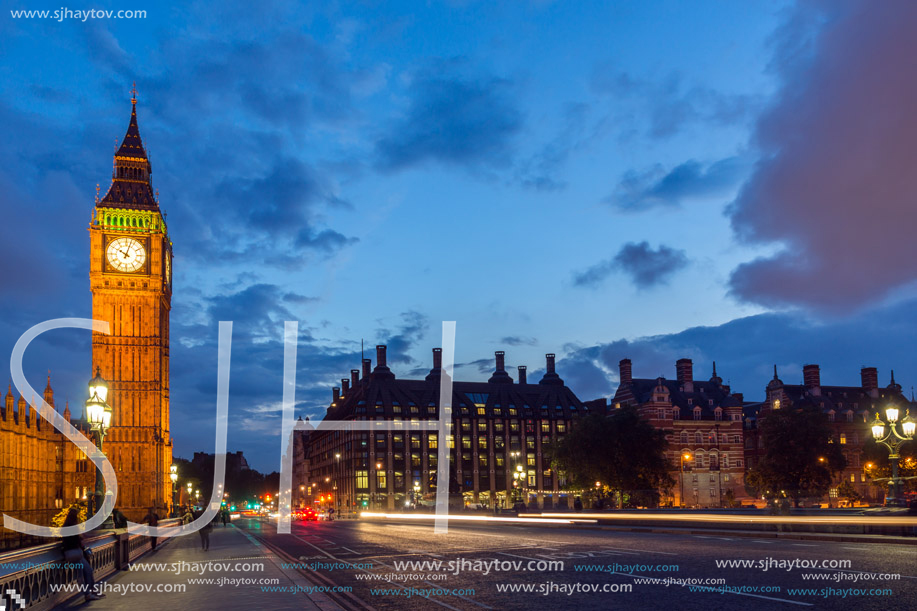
{"x":387,"y":396}
{"x":642,"y":390}
{"x":126,"y":192}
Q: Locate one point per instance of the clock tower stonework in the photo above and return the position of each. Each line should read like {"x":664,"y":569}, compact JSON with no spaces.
{"x":130,"y":277}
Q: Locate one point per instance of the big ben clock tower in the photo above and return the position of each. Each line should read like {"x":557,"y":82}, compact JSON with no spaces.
{"x":130,"y":276}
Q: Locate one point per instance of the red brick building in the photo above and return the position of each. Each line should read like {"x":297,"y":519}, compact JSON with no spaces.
{"x":850,"y":410}
{"x":703,"y":424}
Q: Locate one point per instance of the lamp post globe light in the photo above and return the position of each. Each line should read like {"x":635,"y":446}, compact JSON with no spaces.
{"x":173,"y":475}
{"x":98,"y":413}
{"x":188,"y":488}
{"x":684,"y":456}
{"x":893,"y":440}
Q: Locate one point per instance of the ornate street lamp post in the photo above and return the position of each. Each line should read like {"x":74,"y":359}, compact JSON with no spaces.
{"x":173,"y":475}
{"x":684,"y":456}
{"x":518,"y":484}
{"x":337,"y":475}
{"x":98,"y":412}
{"x":893,"y":440}
{"x":190,"y":502}
{"x":416,"y":493}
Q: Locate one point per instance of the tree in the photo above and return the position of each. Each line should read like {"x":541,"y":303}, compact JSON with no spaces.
{"x":800,"y":456}
{"x":622,"y":452}
{"x":877,"y":466}
{"x":846,"y":491}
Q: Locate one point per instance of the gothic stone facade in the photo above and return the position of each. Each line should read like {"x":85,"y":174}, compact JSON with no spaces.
{"x":131,"y":282}
{"x":40,"y":470}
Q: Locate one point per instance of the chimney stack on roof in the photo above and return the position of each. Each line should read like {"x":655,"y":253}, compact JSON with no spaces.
{"x":354,"y":377}
{"x":522,"y":375}
{"x":335,"y":394}
{"x":811,"y":376}
{"x":684,"y":371}
{"x":500,"y":374}
{"x":550,"y":376}
{"x":345,"y":386}
{"x":381,"y":370}
{"x":870,"y":379}
{"x":625,"y":372}
{"x":367,"y":369}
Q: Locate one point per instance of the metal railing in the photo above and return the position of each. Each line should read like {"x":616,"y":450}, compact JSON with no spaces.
{"x":30,"y":572}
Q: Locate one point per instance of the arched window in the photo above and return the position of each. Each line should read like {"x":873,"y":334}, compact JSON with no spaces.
{"x":698,"y":437}
{"x":684,"y":437}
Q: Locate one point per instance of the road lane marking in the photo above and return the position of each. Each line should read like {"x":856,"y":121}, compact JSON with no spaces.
{"x":785,"y":600}
{"x":431,"y":599}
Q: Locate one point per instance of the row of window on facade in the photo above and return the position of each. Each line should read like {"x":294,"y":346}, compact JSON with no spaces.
{"x":700,"y":437}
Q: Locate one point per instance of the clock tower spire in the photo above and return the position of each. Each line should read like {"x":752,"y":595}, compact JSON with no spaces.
{"x":130,"y":279}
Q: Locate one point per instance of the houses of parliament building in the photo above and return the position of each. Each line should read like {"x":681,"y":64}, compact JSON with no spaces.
{"x":130,"y":278}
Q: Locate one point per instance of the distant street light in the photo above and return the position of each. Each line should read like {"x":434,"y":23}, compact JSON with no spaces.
{"x":685,"y":456}
{"x":173,"y":475}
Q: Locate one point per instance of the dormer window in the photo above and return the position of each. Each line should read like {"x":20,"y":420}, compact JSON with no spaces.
{"x":718,"y":414}
{"x":697,"y":413}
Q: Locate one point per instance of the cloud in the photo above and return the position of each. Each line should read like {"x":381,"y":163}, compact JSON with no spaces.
{"x":746,"y":349}
{"x":645,"y":266}
{"x":835,"y":184}
{"x":655,"y":187}
{"x":454,"y":119}
{"x":515,"y":340}
{"x":667,"y":105}
{"x":540,"y":171}
{"x":408,"y":334}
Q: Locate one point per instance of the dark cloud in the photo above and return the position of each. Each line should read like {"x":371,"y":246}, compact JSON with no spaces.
{"x":746,"y":349}
{"x":452,"y":118}
{"x":835,"y":185}
{"x":668,"y":104}
{"x":404,"y":338}
{"x":541,"y":170}
{"x":515,"y":340}
{"x":645,"y":266}
{"x":656,"y":187}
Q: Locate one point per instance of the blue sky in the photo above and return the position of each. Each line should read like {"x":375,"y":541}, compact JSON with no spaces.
{"x":722,"y":181}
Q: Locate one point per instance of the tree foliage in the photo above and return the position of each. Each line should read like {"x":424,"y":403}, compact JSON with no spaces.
{"x":800,"y":456}
{"x":621,"y":451}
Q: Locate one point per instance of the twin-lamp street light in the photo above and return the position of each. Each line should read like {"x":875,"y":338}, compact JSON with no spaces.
{"x":893,"y":440}
{"x":98,"y":413}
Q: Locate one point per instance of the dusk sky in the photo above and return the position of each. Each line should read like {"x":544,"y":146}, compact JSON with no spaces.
{"x":728,"y":181}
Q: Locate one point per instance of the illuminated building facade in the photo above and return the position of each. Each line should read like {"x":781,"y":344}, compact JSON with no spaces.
{"x":497,"y":425}
{"x":40,"y":470}
{"x":850,"y":410}
{"x":131,"y":282}
{"x":703,"y":425}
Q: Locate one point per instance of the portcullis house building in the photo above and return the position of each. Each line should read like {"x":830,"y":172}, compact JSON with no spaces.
{"x":496,"y":426}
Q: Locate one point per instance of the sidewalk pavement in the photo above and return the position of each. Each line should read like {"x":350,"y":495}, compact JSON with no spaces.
{"x":230,"y":548}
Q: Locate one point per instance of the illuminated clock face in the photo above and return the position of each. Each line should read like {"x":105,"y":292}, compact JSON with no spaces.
{"x":126,"y":254}
{"x":168,"y":268}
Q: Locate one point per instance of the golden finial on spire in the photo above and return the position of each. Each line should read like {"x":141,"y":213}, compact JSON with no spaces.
{"x":134,"y":93}
{"x":97,"y":192}
{"x":157,"y":196}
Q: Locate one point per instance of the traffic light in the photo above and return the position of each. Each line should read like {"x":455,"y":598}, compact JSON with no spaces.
{"x":365,"y":503}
